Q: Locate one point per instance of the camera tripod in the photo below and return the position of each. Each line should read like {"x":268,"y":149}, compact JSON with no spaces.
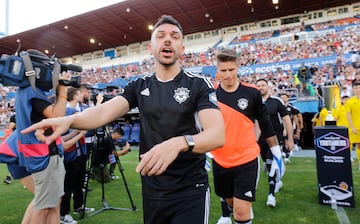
{"x":106,"y":206}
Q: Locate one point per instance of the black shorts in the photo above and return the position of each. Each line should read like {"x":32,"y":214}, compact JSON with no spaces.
{"x":193,"y":209}
{"x":239,"y":182}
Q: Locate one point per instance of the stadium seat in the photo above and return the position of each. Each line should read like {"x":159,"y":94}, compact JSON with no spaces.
{"x":127,"y":130}
{"x":135,"y":134}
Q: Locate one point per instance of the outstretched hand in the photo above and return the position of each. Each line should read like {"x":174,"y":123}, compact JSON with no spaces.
{"x":57,"y":125}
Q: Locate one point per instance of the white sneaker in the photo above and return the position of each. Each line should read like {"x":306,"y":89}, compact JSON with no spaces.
{"x":67,"y":219}
{"x":224,"y":220}
{"x":278,"y":186}
{"x":86,"y":210}
{"x":113,"y":177}
{"x":271,"y":201}
{"x":287,"y":161}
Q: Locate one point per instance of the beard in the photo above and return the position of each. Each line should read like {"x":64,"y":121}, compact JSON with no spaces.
{"x":167,"y":64}
{"x":167,"y":61}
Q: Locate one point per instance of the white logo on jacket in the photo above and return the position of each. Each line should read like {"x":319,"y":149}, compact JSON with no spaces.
{"x":243,"y":103}
{"x":181,"y":94}
{"x":145,"y":92}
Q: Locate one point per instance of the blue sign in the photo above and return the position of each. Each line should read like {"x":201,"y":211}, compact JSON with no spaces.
{"x":332,"y":142}
{"x":286,"y":65}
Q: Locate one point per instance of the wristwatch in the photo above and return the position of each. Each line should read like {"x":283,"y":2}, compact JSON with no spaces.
{"x":190,"y":141}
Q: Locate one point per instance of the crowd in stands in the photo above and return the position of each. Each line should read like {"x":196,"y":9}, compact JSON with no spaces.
{"x":331,"y":44}
{"x":295,"y":29}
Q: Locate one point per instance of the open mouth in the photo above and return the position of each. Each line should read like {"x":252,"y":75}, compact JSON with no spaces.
{"x":166,"y":51}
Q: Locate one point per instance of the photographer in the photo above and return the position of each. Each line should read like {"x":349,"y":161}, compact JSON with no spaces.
{"x":105,"y":152}
{"x":116,"y":134}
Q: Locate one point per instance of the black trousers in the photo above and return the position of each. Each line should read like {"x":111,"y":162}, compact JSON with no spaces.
{"x":73,"y":185}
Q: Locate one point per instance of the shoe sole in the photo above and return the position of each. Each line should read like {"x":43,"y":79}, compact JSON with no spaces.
{"x":77,"y":213}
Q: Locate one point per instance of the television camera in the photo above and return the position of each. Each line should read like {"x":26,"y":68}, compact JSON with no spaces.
{"x":32,"y":67}
{"x":105,"y":91}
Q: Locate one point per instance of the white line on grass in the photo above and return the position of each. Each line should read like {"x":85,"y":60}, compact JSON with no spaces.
{"x":342,"y":217}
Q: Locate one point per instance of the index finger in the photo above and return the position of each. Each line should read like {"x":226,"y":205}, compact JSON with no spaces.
{"x":39,"y":125}
{"x":43,"y":134}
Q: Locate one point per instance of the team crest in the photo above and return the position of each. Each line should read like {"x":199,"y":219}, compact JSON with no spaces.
{"x":181,"y":94}
{"x":243,"y":103}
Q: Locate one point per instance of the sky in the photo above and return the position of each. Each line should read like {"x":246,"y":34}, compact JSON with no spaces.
{"x":28,"y":14}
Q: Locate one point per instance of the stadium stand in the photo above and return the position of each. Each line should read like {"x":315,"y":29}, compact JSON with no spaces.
{"x":325,"y":43}
{"x":127,"y":130}
{"x":135,"y":133}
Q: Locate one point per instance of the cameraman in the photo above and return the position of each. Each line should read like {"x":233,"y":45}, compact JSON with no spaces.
{"x":117,"y":134}
{"x":43,"y":161}
{"x":105,"y":148}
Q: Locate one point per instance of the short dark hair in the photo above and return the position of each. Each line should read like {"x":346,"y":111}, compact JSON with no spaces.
{"x":71,"y":92}
{"x":118,"y":130}
{"x":225,"y":55}
{"x":166,"y":19}
{"x":259,"y":80}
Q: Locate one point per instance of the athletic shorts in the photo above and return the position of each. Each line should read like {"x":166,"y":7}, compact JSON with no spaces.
{"x":192,"y":209}
{"x":49,"y":184}
{"x":239,"y":182}
{"x":17,"y":172}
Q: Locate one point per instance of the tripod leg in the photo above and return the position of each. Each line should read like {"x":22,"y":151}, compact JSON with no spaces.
{"x":102,"y":181}
{"x":121,"y":169}
{"x":88,"y":172}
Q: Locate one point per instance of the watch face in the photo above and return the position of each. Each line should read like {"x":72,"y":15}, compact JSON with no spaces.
{"x":190,"y":142}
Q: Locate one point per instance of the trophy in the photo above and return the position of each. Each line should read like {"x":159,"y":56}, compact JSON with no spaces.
{"x":329,"y":101}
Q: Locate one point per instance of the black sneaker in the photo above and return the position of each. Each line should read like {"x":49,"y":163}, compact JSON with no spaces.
{"x":7,"y":180}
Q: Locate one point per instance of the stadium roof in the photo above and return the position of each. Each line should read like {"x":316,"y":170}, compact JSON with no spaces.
{"x":127,"y":22}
